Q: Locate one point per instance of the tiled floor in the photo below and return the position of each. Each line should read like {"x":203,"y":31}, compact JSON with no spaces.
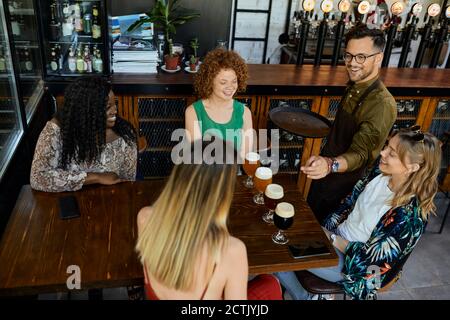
{"x":426,"y":274}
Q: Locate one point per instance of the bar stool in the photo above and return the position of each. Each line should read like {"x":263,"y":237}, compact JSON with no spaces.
{"x":316,"y":285}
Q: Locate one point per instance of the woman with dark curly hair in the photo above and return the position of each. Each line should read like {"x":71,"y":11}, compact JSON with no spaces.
{"x":86,"y":142}
{"x":221,"y":75}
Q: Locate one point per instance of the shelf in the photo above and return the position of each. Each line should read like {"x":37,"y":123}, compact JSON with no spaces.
{"x":405,"y":118}
{"x":23,"y":12}
{"x":72,"y":42}
{"x":161,"y":120}
{"x":441,"y":118}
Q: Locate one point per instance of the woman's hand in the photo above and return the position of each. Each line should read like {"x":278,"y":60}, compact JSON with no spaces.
{"x":106,"y":178}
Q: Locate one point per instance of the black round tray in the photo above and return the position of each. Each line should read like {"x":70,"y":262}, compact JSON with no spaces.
{"x":301,"y":122}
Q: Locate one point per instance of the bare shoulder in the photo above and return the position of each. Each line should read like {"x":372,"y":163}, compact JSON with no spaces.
{"x":236,"y":248}
{"x":143,"y":216}
{"x":190,"y":111}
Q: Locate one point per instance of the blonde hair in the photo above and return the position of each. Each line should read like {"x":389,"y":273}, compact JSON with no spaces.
{"x":191,"y":212}
{"x":422,"y":183}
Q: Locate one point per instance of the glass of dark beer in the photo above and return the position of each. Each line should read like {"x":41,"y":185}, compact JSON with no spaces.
{"x":251,"y":163}
{"x":283,"y":219}
{"x":273,"y":194}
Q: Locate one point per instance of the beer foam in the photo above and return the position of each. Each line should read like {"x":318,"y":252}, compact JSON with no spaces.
{"x":274,"y":191}
{"x":252,"y":157}
{"x":285,"y":210}
{"x":263,"y":173}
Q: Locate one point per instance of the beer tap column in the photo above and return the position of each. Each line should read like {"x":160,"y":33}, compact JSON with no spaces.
{"x":396,"y":9}
{"x":308,"y":7}
{"x":441,"y":36}
{"x":409,"y":33}
{"x":343,"y":6}
{"x":424,"y":39}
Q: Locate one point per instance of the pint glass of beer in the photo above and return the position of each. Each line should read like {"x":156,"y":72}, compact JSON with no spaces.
{"x":283,"y":219}
{"x":273,"y":194}
{"x":251,"y":163}
{"x":263,"y":177}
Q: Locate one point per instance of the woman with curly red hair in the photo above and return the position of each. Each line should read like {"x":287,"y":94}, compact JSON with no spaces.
{"x":216,"y":113}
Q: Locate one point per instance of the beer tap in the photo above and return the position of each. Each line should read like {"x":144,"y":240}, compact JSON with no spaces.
{"x":308,"y":7}
{"x":326,"y":6}
{"x":409,"y":33}
{"x":441,"y":36}
{"x":396,"y":9}
{"x":426,"y":34}
{"x":343,"y":6}
{"x":447,"y":14}
{"x":363,"y":9}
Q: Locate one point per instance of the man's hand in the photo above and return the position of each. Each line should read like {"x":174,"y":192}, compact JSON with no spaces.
{"x":316,"y":167}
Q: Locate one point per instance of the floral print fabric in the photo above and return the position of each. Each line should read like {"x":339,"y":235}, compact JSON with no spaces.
{"x":47,"y":175}
{"x":389,"y":245}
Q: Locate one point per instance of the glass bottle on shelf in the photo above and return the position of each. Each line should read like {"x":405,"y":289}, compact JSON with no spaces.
{"x":55,"y":25}
{"x":67,"y":27}
{"x":98,"y":62}
{"x":87,"y":23}
{"x":28,"y":63}
{"x":54,"y":63}
{"x":87,"y":60}
{"x":80,"y":61}
{"x":15,"y":27}
{"x":2,"y":61}
{"x":96,"y":29}
{"x":59,"y":56}
{"x":66,"y":9}
{"x":72,"y":61}
{"x":78,"y":19}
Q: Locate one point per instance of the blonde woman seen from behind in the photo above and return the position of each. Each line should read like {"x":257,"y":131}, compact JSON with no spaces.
{"x":184,"y":244}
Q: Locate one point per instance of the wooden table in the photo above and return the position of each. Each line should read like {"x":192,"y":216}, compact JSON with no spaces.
{"x":37,"y":246}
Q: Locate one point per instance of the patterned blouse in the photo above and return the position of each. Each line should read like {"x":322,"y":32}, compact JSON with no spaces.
{"x":389,"y":245}
{"x":47,"y":175}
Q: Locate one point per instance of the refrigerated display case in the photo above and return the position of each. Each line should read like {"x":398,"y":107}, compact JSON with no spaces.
{"x":11,"y":121}
{"x":74,"y":38}
{"x":24,"y":36}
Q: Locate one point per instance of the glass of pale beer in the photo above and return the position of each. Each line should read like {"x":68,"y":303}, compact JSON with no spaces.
{"x":263,"y":177}
{"x":283,"y":220}
{"x":273,"y":194}
{"x":251,"y":163}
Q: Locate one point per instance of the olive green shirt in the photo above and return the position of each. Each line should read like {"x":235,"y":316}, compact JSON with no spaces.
{"x":375,"y":118}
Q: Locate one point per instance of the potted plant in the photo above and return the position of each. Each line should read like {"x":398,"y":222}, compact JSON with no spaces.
{"x":195,"y":45}
{"x":167,"y":15}
{"x":193,"y":63}
{"x":171,"y":59}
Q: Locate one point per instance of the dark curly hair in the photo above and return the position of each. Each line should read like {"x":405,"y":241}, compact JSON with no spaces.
{"x":361,"y":30}
{"x":83,"y":121}
{"x":214,"y":62}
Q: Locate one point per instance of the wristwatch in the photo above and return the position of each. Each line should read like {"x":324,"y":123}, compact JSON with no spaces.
{"x":332,"y":238}
{"x":334,"y":165}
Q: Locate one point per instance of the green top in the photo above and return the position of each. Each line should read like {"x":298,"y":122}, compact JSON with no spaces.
{"x":230,"y":131}
{"x":375,"y":118}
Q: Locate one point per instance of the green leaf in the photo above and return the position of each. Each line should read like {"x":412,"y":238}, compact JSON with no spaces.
{"x":136,"y":25}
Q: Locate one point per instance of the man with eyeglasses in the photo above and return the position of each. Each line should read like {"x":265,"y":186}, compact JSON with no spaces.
{"x":366,"y":114}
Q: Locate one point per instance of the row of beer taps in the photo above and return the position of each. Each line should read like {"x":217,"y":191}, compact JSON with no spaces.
{"x":433,"y":33}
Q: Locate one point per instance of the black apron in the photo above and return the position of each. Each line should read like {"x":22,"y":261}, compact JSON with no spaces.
{"x":325,"y":194}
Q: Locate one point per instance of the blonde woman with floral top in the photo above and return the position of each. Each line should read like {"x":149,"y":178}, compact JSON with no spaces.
{"x":85,"y":143}
{"x":377,"y":226}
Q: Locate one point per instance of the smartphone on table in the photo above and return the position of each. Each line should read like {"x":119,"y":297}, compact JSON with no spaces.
{"x":308,"y":249}
{"x":68,"y":207}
